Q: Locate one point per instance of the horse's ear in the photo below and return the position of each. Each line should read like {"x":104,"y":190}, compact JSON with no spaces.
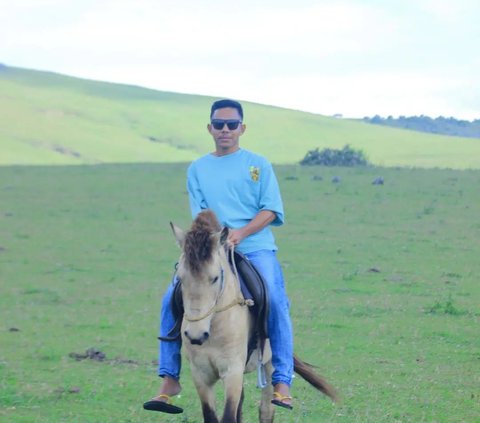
{"x":220,"y":237}
{"x":179,"y":234}
{"x":224,"y":235}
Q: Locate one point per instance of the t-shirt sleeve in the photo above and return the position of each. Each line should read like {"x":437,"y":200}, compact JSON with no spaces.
{"x":270,"y":197}
{"x":195,"y":196}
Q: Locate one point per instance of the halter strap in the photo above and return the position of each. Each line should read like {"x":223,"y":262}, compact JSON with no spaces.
{"x":215,"y":309}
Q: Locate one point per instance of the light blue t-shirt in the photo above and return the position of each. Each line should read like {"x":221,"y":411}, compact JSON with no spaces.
{"x":236,"y":187}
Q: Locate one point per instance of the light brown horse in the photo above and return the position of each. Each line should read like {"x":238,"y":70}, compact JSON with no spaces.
{"x":217,"y":324}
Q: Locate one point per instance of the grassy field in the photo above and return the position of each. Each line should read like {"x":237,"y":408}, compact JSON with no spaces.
{"x":48,"y":119}
{"x":383,"y":281}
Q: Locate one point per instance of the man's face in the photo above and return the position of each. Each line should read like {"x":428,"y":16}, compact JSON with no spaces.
{"x":226,"y":139}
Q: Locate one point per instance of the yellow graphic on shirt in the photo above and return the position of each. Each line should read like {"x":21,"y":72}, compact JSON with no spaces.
{"x":254,"y":173}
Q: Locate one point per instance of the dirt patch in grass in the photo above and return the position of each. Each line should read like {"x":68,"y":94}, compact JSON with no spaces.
{"x":97,"y":355}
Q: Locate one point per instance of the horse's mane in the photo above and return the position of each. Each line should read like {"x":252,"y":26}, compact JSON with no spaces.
{"x":199,"y":243}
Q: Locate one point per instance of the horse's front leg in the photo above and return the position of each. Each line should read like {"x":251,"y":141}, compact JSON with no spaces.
{"x":233,"y":383}
{"x":206,"y":394}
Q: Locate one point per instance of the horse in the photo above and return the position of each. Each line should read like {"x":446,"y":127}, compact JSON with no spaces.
{"x":217,"y":325}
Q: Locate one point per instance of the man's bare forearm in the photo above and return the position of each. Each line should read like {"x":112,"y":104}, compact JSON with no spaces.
{"x":260,"y":221}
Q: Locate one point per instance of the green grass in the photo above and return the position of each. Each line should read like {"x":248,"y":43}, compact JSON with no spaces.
{"x":383,"y":282}
{"x":47,"y":119}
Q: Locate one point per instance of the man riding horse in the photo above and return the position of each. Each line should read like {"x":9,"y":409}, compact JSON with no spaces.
{"x":242,"y":190}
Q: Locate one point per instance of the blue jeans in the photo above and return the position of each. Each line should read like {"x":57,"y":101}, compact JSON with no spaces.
{"x":279,"y":323}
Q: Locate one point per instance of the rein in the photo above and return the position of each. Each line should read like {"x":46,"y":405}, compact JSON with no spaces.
{"x":215,"y":309}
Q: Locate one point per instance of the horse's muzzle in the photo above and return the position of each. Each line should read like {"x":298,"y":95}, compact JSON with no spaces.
{"x":197,"y":341}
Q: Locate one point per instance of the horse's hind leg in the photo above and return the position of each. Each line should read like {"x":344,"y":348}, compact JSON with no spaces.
{"x":267,"y":410}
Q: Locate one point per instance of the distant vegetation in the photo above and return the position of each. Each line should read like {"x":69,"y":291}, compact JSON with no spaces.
{"x":439,"y":125}
{"x":347,"y":156}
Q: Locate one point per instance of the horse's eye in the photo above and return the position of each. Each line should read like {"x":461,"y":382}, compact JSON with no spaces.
{"x":215,"y":279}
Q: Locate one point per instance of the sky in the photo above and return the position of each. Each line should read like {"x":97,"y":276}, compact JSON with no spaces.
{"x":350,"y":57}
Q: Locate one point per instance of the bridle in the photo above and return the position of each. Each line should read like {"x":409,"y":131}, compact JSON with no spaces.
{"x":215,"y":308}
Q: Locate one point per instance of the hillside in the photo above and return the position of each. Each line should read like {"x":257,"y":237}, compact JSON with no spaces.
{"x":47,"y":118}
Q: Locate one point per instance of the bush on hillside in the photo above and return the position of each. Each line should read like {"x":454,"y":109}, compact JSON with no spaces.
{"x":347,"y":156}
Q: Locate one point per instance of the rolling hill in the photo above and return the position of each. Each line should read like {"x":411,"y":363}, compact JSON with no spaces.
{"x":48,"y":119}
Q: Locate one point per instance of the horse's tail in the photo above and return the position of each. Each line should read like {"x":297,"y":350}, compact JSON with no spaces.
{"x":307,"y":372}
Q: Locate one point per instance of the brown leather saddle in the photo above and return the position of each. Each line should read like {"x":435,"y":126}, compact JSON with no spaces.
{"x":253,"y":287}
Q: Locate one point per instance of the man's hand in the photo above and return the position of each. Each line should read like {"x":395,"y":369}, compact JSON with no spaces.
{"x":235,"y":236}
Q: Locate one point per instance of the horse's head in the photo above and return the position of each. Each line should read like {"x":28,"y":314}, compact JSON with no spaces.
{"x":201,"y":270}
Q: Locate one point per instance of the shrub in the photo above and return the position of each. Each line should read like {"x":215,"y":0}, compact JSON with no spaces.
{"x":347,"y":156}
{"x":445,"y":308}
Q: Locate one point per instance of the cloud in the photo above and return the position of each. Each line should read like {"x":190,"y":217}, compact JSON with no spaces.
{"x":450,"y":12}
{"x":349,"y":57}
{"x":152,"y":26}
{"x":367,"y":94}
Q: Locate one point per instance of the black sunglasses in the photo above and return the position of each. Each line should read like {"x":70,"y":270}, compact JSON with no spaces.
{"x":232,"y":124}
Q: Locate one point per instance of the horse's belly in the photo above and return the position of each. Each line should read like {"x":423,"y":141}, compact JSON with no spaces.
{"x":254,"y":357}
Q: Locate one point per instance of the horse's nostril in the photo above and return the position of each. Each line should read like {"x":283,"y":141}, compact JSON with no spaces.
{"x":205,"y":335}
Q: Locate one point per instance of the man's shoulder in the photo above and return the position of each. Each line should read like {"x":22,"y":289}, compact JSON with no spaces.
{"x":199,"y":161}
{"x":255,"y":157}
{"x":203,"y":158}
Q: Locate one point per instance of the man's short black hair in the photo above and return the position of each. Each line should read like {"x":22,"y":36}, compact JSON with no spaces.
{"x":221,"y":104}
